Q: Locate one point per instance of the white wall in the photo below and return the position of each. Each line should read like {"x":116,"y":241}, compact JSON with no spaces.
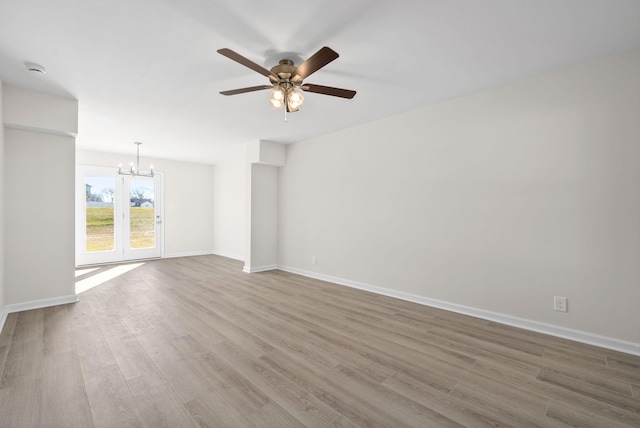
{"x":496,"y":201}
{"x":37,"y":111}
{"x":2,"y":313}
{"x":263,"y":158}
{"x":39,"y":165}
{"x":188,"y":199}
{"x":229,"y":190}
{"x":261,"y":233}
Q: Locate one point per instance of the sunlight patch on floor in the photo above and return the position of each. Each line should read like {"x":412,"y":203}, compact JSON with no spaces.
{"x":101,"y":278}
{"x":80,"y":272}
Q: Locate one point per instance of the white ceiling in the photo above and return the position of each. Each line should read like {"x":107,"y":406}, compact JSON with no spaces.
{"x":148,"y":70}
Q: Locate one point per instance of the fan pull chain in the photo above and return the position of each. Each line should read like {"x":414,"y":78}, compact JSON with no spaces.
{"x":286,"y":107}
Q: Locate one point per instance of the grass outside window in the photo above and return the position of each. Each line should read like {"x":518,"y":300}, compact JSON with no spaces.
{"x":100,"y":228}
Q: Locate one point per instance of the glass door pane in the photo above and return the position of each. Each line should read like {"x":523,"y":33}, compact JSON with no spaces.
{"x":118,"y":217}
{"x":99,"y":214}
{"x":142,"y":234}
{"x":142,"y":222}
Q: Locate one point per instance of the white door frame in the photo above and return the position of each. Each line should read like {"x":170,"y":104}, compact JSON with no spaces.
{"x":121,"y":251}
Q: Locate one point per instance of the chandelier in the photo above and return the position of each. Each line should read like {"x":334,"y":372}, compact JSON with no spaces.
{"x":135,"y":171}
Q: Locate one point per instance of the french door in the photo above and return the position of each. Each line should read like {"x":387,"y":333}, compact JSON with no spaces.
{"x":118,"y":217}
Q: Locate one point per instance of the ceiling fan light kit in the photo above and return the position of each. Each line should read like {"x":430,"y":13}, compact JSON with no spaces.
{"x":287,"y":80}
{"x":294,"y":99}
{"x":277,"y":97}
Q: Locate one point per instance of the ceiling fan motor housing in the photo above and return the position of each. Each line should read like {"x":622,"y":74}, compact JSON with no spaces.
{"x":284,"y":70}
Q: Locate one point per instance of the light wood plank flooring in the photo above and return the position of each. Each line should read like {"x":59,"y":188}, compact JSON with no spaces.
{"x":193,"y":342}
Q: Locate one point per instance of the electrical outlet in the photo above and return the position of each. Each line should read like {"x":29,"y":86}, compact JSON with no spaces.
{"x":314,"y":260}
{"x":560,"y":304}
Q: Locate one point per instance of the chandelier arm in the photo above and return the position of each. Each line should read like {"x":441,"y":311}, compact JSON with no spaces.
{"x":136,"y":172}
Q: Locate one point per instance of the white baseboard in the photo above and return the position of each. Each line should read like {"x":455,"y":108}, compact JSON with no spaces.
{"x":228,"y":255}
{"x":249,"y":269}
{"x":3,"y":318}
{"x":550,"y":329}
{"x":44,"y":303}
{"x":189,"y":254}
{"x":35,"y":304}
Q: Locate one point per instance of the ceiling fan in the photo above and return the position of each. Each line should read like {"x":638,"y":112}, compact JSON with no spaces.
{"x":286,"y":80}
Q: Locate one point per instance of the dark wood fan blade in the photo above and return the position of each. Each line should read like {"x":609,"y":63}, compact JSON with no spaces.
{"x":318,"y":60}
{"x":328,"y":90}
{"x":243,"y":90}
{"x":248,"y":63}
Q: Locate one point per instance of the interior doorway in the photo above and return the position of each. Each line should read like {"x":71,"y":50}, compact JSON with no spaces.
{"x":118,"y":217}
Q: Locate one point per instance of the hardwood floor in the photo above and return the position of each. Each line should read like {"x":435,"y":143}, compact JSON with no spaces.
{"x":193,"y":342}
